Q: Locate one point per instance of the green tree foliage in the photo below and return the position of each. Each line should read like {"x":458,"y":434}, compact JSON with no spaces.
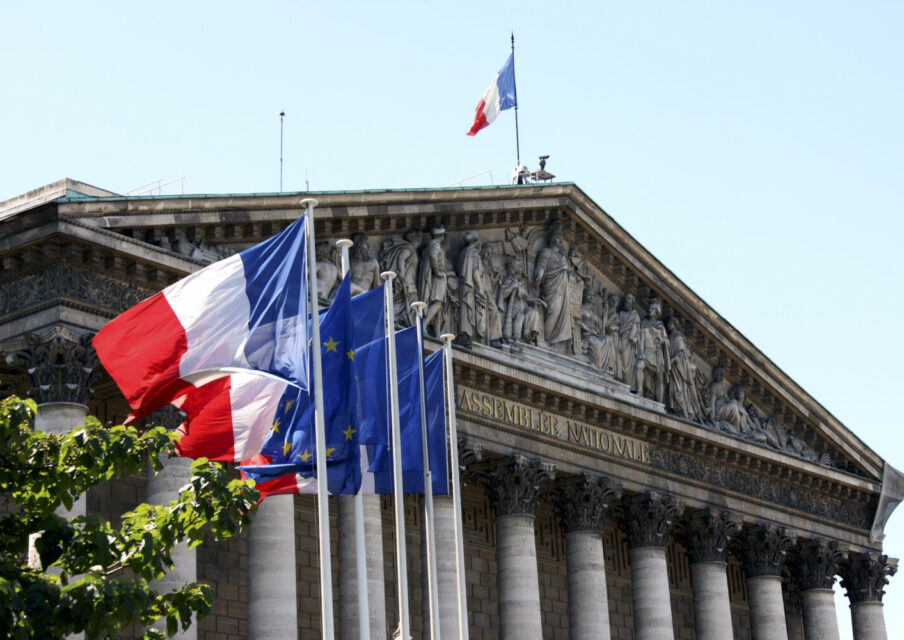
{"x":94,"y":578}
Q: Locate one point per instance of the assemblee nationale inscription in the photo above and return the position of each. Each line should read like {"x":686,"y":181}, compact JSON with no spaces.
{"x":515,"y":414}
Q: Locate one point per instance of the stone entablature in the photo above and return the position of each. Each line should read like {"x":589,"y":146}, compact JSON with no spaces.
{"x":533,"y":258}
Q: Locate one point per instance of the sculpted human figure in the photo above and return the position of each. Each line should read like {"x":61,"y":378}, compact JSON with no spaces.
{"x":600,"y":342}
{"x":653,"y":362}
{"x":435,"y":279}
{"x":628,"y":337}
{"x":401,"y":255}
{"x":521,"y":318}
{"x":364,"y":270}
{"x":716,"y":392}
{"x":328,"y":274}
{"x":551,"y":274}
{"x":684,"y":394}
{"x":731,"y":415}
{"x":478,"y":314}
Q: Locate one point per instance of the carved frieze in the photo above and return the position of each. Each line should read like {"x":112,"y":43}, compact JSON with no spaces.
{"x":648,"y":518}
{"x":763,"y":549}
{"x":515,"y":483}
{"x":864,"y":576}
{"x":583,"y":500}
{"x":65,"y":281}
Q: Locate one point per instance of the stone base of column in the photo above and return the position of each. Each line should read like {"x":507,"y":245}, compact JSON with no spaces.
{"x":820,"y":618}
{"x":767,"y":608}
{"x":519,"y":585}
{"x":868,"y":621}
{"x":712,"y":607}
{"x":650,"y":594}
{"x":588,"y":601}
{"x":272,"y":606}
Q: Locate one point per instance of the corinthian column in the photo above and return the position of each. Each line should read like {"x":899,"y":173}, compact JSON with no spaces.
{"x":583,"y":500}
{"x":515,"y":484}
{"x":814,"y":567}
{"x":163,"y":487}
{"x":708,"y":533}
{"x":763,"y":550}
{"x":864,"y":576}
{"x":649,"y":517}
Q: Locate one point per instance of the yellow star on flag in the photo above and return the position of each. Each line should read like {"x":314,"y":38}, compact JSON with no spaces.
{"x":286,"y":447}
{"x":289,"y":404}
{"x":329,"y":451}
{"x":349,"y":433}
{"x":331,"y":345}
{"x":305,"y":456}
{"x":275,"y":426}
{"x":351,"y":354}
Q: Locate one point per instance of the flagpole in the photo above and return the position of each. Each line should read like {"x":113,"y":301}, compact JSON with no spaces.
{"x":432,"y":581}
{"x":398,"y":487}
{"x":447,"y":339}
{"x":323,"y":507}
{"x":358,"y":498}
{"x":515,"y":86}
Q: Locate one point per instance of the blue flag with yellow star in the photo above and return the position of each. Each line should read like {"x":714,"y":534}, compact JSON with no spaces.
{"x":292,"y":449}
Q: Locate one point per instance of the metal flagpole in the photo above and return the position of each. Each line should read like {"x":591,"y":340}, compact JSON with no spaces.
{"x":360,"y":553}
{"x":515,"y":87}
{"x":447,"y":338}
{"x":323,"y":506}
{"x":432,"y":584}
{"x":401,"y":554}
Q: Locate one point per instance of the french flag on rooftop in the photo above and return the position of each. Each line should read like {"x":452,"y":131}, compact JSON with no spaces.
{"x":248,"y":311}
{"x":499,"y":96}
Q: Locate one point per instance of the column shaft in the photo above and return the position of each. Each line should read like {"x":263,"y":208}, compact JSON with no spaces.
{"x":650,"y":593}
{"x":446,"y":561}
{"x":519,"y":585}
{"x":868,"y":621}
{"x":712,"y":609}
{"x":588,"y":602}
{"x":376,"y":586}
{"x":272,"y":604}
{"x":162,"y":488}
{"x":767,"y":608}
{"x":820,"y":619}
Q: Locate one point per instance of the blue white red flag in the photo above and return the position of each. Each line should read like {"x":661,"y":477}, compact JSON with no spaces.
{"x":499,"y":96}
{"x":248,"y":311}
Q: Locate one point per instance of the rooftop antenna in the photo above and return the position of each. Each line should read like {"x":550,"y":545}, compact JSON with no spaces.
{"x":282,"y":117}
{"x":307,"y":185}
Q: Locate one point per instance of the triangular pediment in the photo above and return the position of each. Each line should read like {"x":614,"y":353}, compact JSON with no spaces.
{"x":700,"y":372}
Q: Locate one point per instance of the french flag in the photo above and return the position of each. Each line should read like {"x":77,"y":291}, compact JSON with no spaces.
{"x":228,"y":419}
{"x":248,"y":311}
{"x":499,"y":96}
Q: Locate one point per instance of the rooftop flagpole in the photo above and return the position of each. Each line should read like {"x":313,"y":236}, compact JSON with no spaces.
{"x":323,"y":507}
{"x":515,"y":85}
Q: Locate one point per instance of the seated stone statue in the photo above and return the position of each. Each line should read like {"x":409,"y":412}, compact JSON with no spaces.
{"x":731,"y":415}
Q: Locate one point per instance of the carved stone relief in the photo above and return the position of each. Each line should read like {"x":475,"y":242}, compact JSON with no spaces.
{"x":528,"y":290}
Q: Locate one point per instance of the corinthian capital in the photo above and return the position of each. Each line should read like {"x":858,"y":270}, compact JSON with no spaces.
{"x":763,"y":549}
{"x":649,"y":518}
{"x":864,"y":576}
{"x":61,"y":365}
{"x":707,"y":534}
{"x":816,"y":564}
{"x":515,"y":483}
{"x":583,"y":500}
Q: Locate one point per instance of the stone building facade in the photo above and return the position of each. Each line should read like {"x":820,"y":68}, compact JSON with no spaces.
{"x":633,"y":467}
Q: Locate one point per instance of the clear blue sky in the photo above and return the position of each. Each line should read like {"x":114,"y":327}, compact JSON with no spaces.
{"x":754,"y":148}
